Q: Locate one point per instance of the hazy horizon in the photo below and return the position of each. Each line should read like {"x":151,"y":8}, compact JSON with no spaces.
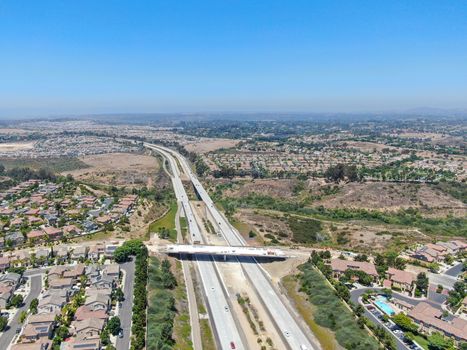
{"x":87,"y":57}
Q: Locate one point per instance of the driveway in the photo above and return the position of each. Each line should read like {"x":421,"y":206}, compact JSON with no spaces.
{"x":125,"y":312}
{"x":9,"y":334}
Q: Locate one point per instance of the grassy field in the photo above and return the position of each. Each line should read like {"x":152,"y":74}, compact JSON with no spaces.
{"x":325,"y":337}
{"x":166,"y":222}
{"x":57,"y":165}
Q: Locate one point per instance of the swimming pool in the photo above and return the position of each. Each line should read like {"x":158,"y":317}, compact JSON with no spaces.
{"x":382,"y":304}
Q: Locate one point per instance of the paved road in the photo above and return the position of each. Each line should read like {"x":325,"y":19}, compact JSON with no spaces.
{"x":357,"y":293}
{"x":225,"y":327}
{"x":286,"y":323}
{"x":125,"y":313}
{"x":454,"y":271}
{"x":8,"y":335}
{"x":437,"y":278}
{"x":190,"y":291}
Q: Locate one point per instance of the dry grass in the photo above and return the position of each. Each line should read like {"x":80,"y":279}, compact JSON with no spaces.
{"x":274,"y":188}
{"x":118,"y":169}
{"x":393,"y":196}
{"x":209,"y":145}
{"x":15,"y":146}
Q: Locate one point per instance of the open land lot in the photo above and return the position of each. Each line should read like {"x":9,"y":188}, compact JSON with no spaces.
{"x":15,"y":146}
{"x":392,"y":196}
{"x":119,"y":169}
{"x":210,"y":145}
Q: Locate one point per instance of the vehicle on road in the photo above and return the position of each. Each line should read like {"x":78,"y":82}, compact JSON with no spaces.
{"x":232,"y":345}
{"x":120,"y":334}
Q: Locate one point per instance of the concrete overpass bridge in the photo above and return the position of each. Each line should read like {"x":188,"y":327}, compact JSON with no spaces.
{"x":224,"y":251}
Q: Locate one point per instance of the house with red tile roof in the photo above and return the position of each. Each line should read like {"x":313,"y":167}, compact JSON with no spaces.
{"x":400,"y":279}
{"x":430,"y":320}
{"x":339,"y":267}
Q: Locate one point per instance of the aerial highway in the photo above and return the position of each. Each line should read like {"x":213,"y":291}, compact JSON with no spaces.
{"x":228,"y":335}
{"x":292,"y":333}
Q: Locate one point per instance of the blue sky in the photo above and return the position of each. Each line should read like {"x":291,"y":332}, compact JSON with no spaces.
{"x":60,"y":57}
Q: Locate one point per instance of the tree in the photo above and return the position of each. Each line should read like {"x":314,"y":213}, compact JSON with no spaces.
{"x":3,"y":323}
{"x":33,"y":306}
{"x":16,"y":300}
{"x":114,"y":325}
{"x":448,"y":259}
{"x":361,"y":257}
{"x":359,"y":310}
{"x":105,"y":338}
{"x":457,"y":294}
{"x":405,"y":323}
{"x":422,"y":282}
{"x":341,"y":172}
{"x":437,"y":341}
{"x":342,"y":291}
{"x":201,"y":166}
{"x":62,"y":332}
{"x":118,"y":294}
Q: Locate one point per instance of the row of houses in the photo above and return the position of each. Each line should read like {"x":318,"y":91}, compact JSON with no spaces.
{"x":60,"y":254}
{"x":436,"y":252}
{"x":430,"y":320}
{"x":90,"y":318}
{"x":395,"y":278}
{"x":38,"y":212}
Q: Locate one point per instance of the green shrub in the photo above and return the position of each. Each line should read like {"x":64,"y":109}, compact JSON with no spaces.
{"x":332,"y":313}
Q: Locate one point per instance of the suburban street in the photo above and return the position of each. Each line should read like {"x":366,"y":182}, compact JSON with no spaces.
{"x":125,"y":312}
{"x":442,"y":278}
{"x":355,"y":295}
{"x":9,"y":333}
{"x":455,"y":270}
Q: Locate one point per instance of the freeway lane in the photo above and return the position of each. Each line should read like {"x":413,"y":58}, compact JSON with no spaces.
{"x":287,"y":324}
{"x":225,"y":328}
{"x":125,"y":312}
{"x":9,"y":334}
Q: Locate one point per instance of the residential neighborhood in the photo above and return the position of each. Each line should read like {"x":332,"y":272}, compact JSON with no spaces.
{"x":35,"y":212}
{"x":390,"y":293}
{"x":79,"y":296}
